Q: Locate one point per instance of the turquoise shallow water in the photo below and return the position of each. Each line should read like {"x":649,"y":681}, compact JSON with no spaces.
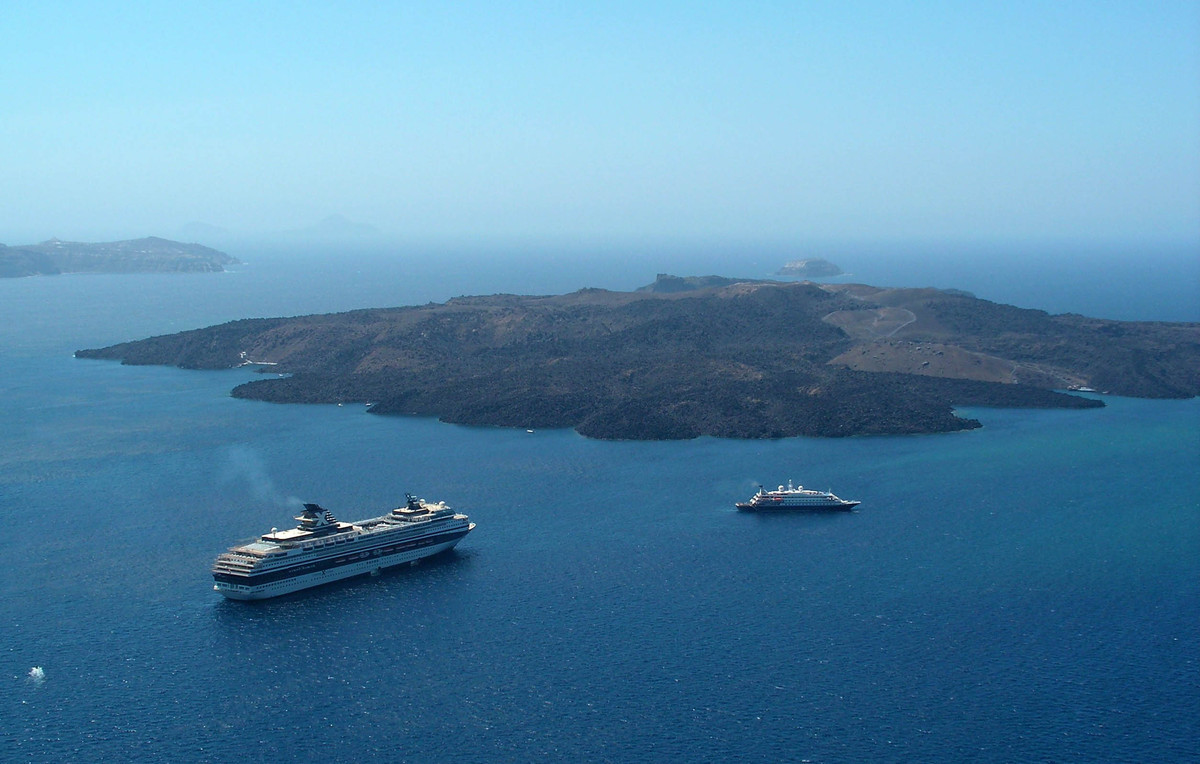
{"x":1028,"y":591}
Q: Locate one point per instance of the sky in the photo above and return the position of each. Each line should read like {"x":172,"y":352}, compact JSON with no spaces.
{"x":675,"y":121}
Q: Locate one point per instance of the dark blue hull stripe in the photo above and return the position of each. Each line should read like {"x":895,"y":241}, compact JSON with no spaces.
{"x":797,"y":508}
{"x":348,"y":558}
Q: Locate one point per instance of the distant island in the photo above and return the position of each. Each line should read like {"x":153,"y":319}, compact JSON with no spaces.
{"x":148,"y":255}
{"x":812,"y":268}
{"x":742,"y":359}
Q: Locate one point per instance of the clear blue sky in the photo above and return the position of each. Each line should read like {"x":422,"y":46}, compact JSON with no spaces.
{"x":747,"y":121}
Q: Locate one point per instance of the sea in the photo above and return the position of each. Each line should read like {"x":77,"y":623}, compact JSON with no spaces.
{"x":1028,"y":591}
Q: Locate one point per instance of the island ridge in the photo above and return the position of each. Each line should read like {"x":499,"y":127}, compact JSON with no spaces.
{"x":742,"y":359}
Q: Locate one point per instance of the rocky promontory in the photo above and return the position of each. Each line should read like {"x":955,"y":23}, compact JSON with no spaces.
{"x":148,"y":255}
{"x":737,"y":359}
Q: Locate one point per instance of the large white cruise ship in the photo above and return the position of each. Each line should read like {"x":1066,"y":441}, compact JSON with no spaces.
{"x":794,"y":498}
{"x":321,"y":549}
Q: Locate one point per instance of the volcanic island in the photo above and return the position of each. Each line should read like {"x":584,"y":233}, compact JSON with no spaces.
{"x":688,"y":357}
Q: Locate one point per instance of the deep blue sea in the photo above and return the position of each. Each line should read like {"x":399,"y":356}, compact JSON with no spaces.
{"x":1029,"y":591}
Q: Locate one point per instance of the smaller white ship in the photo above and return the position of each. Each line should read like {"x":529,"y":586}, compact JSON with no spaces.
{"x":795,"y":498}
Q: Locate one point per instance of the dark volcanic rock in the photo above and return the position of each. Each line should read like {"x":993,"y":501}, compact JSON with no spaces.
{"x":744,"y":360}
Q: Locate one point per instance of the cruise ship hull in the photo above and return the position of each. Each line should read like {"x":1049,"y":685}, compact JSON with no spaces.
{"x":279,"y":582}
{"x":844,"y":506}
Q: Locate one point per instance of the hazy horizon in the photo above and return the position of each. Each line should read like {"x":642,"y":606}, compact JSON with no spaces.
{"x":671,"y":123}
